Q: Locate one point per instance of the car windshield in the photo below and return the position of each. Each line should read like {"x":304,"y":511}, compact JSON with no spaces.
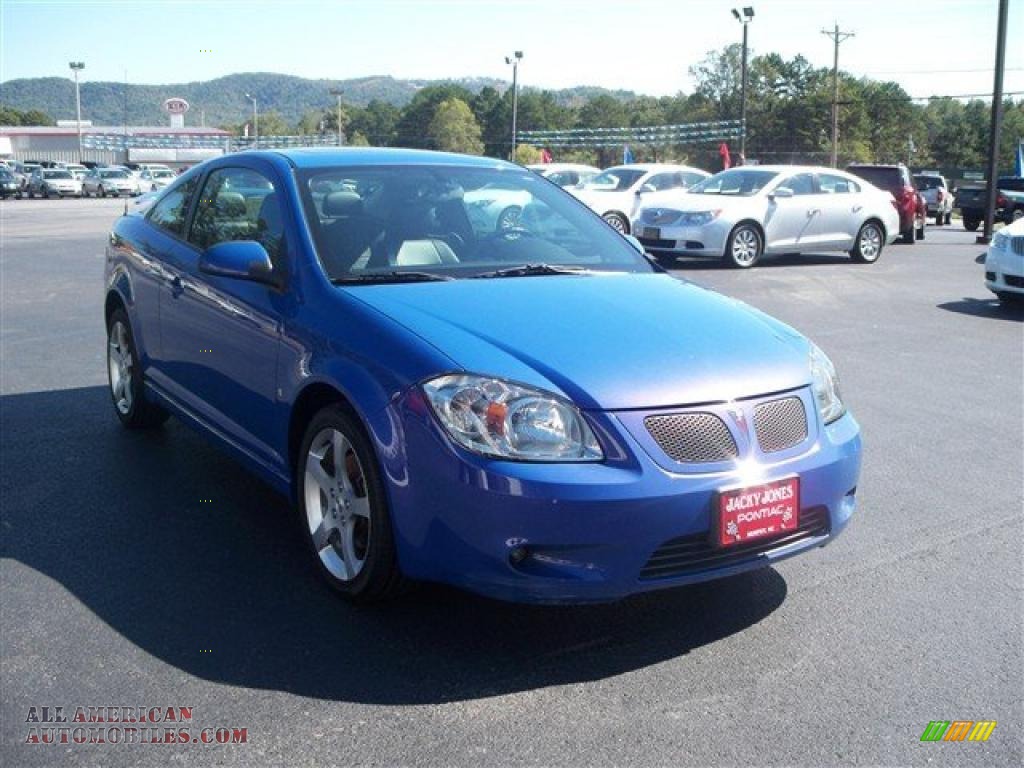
{"x":57,"y":175}
{"x":114,"y":174}
{"x":615,"y":179}
{"x":161,"y":174}
{"x":742,"y":182}
{"x":928,"y":182}
{"x":437,"y":222}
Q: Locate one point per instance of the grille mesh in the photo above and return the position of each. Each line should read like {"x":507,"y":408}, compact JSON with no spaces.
{"x":780,"y":424}
{"x":1017,"y":245}
{"x":692,"y":437}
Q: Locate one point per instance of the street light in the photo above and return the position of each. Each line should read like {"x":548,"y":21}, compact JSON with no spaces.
{"x":77,"y":66}
{"x":514,"y":60}
{"x":338,"y":92}
{"x":745,"y":18}
{"x":255,"y":122}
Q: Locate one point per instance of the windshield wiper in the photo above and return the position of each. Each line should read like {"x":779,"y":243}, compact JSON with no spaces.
{"x":529,"y":270}
{"x":394,"y":276}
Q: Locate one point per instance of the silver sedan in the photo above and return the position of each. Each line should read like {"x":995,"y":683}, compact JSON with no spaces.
{"x":109,"y":181}
{"x":743,"y":213}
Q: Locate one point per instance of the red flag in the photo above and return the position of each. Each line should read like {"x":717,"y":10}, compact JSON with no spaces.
{"x":545,"y":156}
{"x":723,"y":151}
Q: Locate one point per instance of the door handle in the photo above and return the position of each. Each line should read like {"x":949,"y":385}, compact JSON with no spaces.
{"x":177,"y":287}
{"x":857,"y":208}
{"x":813,"y":212}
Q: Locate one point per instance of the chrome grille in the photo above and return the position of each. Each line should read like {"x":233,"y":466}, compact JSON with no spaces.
{"x":692,"y":438}
{"x":780,"y":424}
{"x":1017,"y":244}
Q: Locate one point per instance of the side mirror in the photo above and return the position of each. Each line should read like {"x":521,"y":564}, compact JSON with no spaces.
{"x":241,"y":260}
{"x":781,"y":192}
{"x":636,"y":244}
{"x":646,"y":188}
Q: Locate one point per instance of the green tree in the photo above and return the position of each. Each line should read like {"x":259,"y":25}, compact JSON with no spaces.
{"x":527,"y":155}
{"x":413,"y":127}
{"x":454,"y":129}
{"x":377,"y":122}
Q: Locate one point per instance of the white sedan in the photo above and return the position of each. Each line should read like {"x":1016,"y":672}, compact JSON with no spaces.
{"x":1004,"y":264}
{"x":743,"y":213}
{"x":152,"y":179}
{"x":617,"y":192}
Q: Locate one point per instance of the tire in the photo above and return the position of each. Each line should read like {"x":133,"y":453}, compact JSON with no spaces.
{"x":507,"y":219}
{"x":342,"y":508}
{"x":617,"y":222}
{"x":85,"y":192}
{"x":127,"y":388}
{"x":1008,"y":299}
{"x":949,"y":218}
{"x":103,"y":191}
{"x":919,"y":230}
{"x":744,"y":247}
{"x":867,"y":248}
{"x":907,"y":236}
{"x":971,"y":225}
{"x":939,"y":219}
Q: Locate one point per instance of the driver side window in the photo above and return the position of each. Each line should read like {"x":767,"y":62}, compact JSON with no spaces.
{"x":801,"y":184}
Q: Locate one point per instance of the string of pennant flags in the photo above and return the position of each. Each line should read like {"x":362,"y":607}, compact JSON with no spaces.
{"x":113,"y":141}
{"x":682,"y":133}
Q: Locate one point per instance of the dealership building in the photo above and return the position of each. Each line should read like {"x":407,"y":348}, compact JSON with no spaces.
{"x":173,"y":145}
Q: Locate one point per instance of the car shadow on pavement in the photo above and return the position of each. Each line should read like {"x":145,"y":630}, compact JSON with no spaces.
{"x":984,"y":308}
{"x":177,"y":548}
{"x":786,"y":260}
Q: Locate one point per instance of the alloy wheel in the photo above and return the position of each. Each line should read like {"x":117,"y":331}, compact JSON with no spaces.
{"x":337,"y":504}
{"x":870,"y":243}
{"x":120,"y":363}
{"x":745,"y":247}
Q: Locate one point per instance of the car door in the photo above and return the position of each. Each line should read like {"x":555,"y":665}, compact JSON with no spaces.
{"x":842,"y":211}
{"x":220,"y":335}
{"x":793,"y":223}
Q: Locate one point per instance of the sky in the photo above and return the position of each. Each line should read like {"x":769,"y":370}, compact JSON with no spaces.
{"x":931,"y":47}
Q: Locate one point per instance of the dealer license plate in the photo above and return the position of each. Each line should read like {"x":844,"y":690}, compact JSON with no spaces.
{"x":758,"y":512}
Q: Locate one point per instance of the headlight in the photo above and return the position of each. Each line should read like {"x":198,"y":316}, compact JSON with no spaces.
{"x":511,"y":421}
{"x":699,"y":218}
{"x":1000,"y":241}
{"x":825,"y":383}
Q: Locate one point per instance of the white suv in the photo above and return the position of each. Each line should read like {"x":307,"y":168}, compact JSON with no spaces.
{"x":936,"y":193}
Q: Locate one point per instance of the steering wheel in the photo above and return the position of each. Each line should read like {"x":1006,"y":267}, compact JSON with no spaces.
{"x":511,"y":234}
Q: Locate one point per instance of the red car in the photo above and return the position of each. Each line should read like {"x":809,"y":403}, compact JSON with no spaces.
{"x":910,"y":203}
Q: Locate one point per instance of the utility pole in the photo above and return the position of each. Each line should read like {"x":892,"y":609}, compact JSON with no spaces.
{"x":837,"y":37}
{"x":76,"y":67}
{"x":745,"y":18}
{"x":997,"y":123}
{"x":255,"y":122}
{"x":338,"y":92}
{"x":514,"y":60}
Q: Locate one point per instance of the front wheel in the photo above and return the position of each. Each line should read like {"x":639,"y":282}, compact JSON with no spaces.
{"x":343,"y":508}
{"x":869,"y":243}
{"x":949,"y":218}
{"x":744,"y":247}
{"x":103,"y":191}
{"x":971,"y":225}
{"x":124,"y":373}
{"x":507,"y":219}
{"x":939,"y":218}
{"x":617,"y":222}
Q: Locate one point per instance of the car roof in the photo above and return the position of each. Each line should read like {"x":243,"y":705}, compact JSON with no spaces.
{"x":326,"y":157}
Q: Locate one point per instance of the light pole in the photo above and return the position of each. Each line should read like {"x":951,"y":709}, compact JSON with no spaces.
{"x":338,"y":92}
{"x":514,"y":60}
{"x":745,"y":18}
{"x":76,"y":67}
{"x":837,"y":36}
{"x":255,"y":122}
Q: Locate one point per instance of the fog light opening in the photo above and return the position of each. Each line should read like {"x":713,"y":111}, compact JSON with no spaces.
{"x":517,"y":555}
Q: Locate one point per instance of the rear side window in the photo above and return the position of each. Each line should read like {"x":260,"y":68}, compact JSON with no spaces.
{"x":883,"y":178}
{"x":837,"y":185}
{"x":169,"y":214}
{"x":238,"y":204}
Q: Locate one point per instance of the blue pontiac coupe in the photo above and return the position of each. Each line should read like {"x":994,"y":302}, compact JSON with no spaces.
{"x":516,"y":402}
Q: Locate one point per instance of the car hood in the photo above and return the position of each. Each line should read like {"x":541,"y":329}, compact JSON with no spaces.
{"x":691,"y":203}
{"x":607,"y":341}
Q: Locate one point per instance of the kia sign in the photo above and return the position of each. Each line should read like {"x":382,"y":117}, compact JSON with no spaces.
{"x":176,"y":106}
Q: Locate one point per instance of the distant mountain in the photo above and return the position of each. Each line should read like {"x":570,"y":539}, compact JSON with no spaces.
{"x":223,"y":100}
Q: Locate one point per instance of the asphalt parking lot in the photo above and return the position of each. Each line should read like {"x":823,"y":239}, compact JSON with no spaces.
{"x":150,"y":570}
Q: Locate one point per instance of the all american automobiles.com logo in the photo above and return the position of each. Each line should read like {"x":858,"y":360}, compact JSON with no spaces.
{"x":125,"y":725}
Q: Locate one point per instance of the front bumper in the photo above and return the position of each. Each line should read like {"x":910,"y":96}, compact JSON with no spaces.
{"x":589,"y":530}
{"x":1004,"y":271}
{"x":708,"y":240}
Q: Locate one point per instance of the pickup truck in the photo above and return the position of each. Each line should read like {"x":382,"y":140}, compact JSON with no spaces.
{"x":936,"y":194}
{"x":1009,"y":202}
